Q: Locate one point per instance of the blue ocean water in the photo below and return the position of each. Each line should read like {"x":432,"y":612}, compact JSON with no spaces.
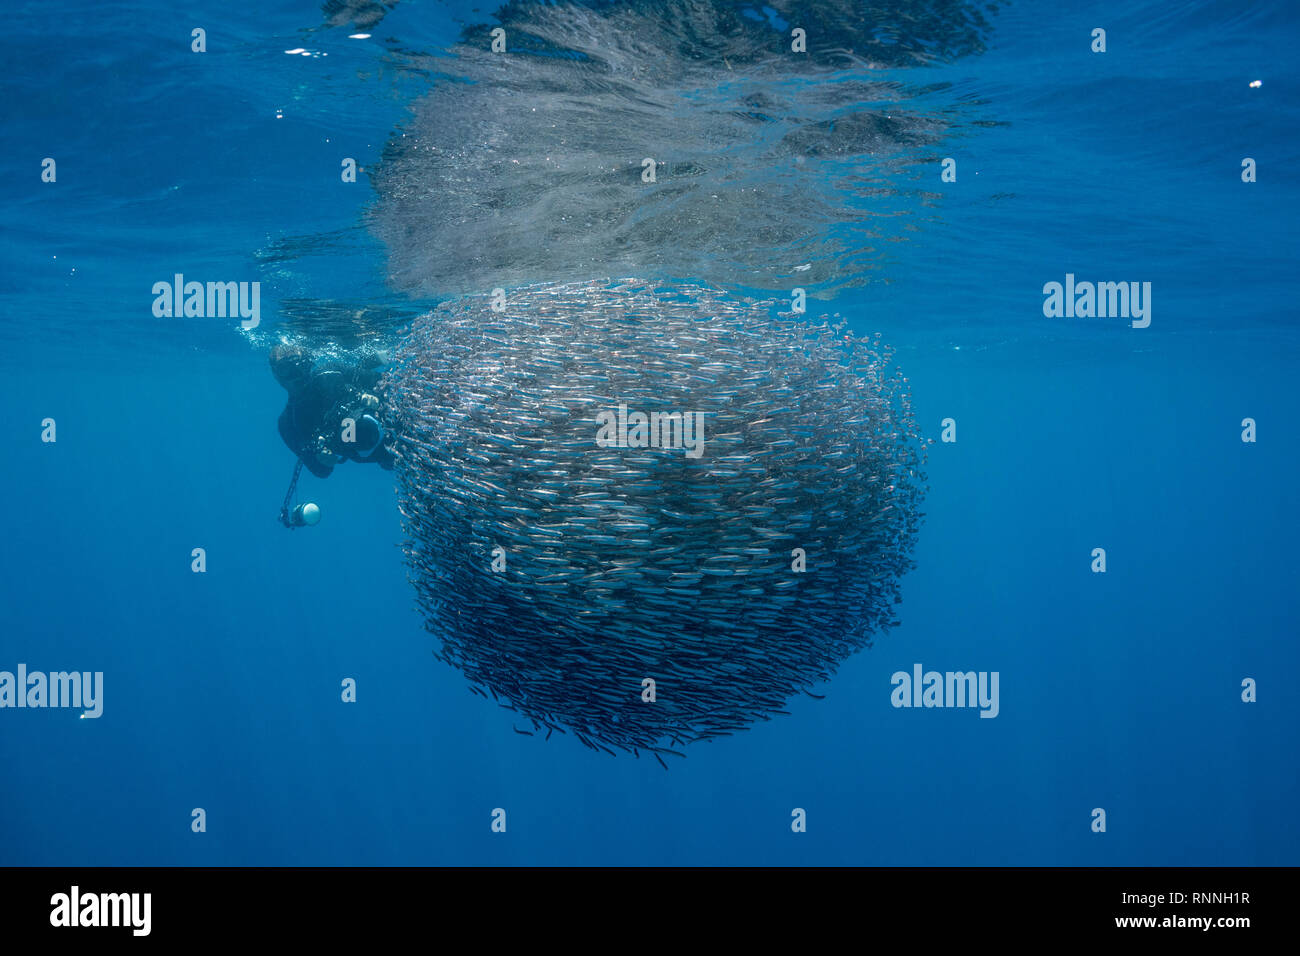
{"x":1120,"y":691}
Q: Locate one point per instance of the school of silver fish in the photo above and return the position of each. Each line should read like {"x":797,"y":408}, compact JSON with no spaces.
{"x":618,"y":564}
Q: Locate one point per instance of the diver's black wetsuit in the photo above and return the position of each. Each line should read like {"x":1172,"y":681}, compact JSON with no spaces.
{"x":323,"y":393}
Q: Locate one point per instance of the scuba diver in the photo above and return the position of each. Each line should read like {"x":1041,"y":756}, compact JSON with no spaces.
{"x":335,"y":413}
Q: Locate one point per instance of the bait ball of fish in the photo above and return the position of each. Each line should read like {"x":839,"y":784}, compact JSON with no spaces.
{"x":616,"y":564}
